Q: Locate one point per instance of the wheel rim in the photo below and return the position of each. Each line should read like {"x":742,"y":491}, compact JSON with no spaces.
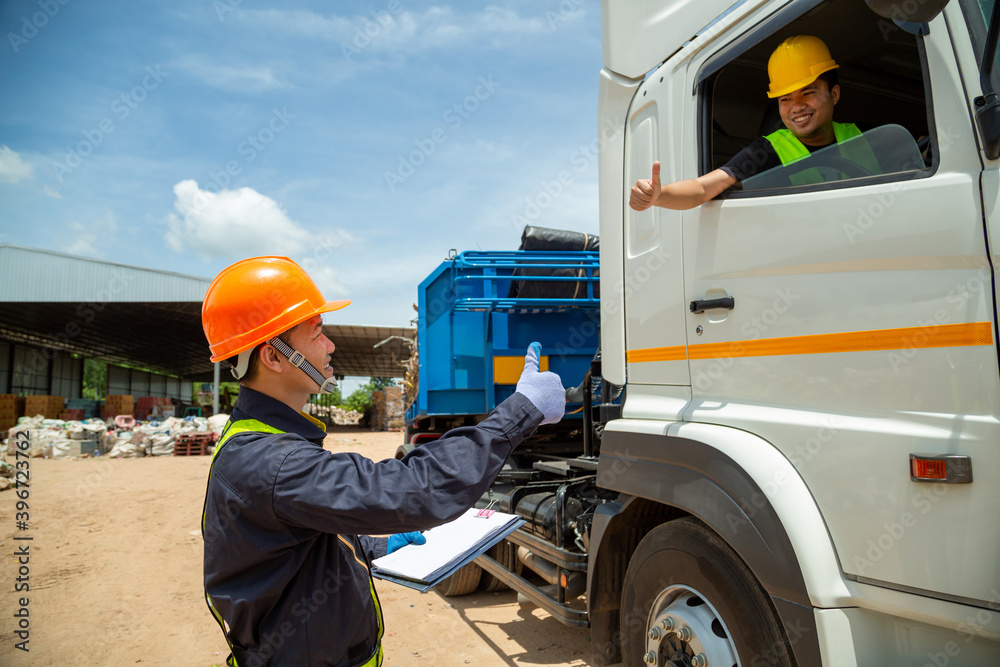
{"x":685,"y":630}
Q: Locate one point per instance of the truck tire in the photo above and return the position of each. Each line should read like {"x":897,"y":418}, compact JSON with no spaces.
{"x":504,"y":553}
{"x":463,"y":582}
{"x":686,"y":593}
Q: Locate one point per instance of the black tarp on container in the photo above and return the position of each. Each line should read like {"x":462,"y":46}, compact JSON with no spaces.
{"x":554,"y":240}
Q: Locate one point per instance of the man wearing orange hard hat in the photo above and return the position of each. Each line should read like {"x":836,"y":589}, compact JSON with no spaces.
{"x":803,"y":78}
{"x":286,"y":523}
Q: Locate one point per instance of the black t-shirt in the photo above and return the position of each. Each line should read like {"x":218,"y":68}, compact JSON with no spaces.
{"x":760,"y":156}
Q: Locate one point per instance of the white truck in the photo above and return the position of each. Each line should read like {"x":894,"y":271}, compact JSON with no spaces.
{"x":808,"y":453}
{"x":804,"y":466}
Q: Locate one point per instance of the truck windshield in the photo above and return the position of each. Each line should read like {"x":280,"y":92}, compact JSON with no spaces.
{"x":889,"y":149}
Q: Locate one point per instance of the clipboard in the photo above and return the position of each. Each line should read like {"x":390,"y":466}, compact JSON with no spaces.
{"x":413,"y":566}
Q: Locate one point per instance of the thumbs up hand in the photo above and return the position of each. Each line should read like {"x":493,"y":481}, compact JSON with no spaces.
{"x":544,"y":390}
{"x":645,"y":192}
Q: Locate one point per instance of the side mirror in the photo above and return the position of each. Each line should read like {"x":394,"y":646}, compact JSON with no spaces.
{"x":988,"y":120}
{"x":913,"y":11}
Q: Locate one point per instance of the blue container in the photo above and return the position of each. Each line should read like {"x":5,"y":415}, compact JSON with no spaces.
{"x":472,"y":335}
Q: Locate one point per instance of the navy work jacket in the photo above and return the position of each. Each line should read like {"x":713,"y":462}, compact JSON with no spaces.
{"x":287,"y":555}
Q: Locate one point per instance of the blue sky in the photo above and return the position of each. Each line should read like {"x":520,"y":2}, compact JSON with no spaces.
{"x":362,"y":139}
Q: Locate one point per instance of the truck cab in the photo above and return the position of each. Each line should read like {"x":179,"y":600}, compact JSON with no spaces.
{"x":807,"y":457}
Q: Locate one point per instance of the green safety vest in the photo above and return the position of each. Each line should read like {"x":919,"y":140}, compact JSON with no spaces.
{"x":253,"y":425}
{"x":790,"y":149}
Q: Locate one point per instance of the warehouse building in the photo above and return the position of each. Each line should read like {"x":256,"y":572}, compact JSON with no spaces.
{"x":57,"y":310}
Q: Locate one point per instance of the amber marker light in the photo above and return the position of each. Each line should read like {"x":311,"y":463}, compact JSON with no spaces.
{"x":928,"y":469}
{"x":943,"y":469}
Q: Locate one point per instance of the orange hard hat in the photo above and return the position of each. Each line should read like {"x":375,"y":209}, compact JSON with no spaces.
{"x":797,"y":62}
{"x":256,"y":299}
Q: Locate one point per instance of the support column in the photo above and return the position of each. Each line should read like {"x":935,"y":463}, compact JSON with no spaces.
{"x":215,"y":389}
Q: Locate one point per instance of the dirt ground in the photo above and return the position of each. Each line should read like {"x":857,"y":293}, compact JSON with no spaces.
{"x":115,"y":574}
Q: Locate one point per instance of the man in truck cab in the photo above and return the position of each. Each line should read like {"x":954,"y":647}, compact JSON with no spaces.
{"x":803,"y":78}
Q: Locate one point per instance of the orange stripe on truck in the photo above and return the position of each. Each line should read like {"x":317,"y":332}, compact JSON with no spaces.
{"x":675,"y":353}
{"x":906,"y":338}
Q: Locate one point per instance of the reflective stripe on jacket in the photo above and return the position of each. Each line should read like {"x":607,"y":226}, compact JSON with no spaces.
{"x":287,"y":524}
{"x":790,"y":149}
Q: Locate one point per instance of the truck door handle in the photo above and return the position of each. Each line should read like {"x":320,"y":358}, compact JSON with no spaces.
{"x":701,"y":305}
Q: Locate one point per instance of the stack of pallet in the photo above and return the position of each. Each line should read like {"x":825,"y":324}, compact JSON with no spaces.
{"x":388,"y":411}
{"x":147,"y":406}
{"x":9,"y":410}
{"x":91,"y":408}
{"x":193,"y":444}
{"x":48,"y":406}
{"x":120,"y":404}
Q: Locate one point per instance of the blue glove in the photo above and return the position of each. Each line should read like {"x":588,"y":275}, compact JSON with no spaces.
{"x":544,"y":390}
{"x":400,"y":540}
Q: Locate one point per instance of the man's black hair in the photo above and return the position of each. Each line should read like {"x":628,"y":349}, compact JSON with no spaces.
{"x":831,"y":78}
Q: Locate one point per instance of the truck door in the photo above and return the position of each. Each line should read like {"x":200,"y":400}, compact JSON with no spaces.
{"x":861,"y":326}
{"x":655,"y":334}
{"x":969,"y":53}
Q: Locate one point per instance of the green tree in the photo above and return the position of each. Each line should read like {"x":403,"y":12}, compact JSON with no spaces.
{"x":360,"y":399}
{"x":333,"y":398}
{"x":381,"y":383}
{"x":95,"y":378}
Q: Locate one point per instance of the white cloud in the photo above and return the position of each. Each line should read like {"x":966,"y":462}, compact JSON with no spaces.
{"x":225,"y":77}
{"x":407,"y":31}
{"x":324,"y":265}
{"x":12,"y":168}
{"x":87,"y":239}
{"x":327,"y":278}
{"x":49,"y":192}
{"x":231,"y":223}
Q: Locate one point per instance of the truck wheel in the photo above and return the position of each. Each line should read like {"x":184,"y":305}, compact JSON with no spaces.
{"x":687,"y":594}
{"x":463,"y":582}
{"x":504,"y":553}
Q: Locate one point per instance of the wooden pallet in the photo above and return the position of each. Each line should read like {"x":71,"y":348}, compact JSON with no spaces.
{"x":193,"y":444}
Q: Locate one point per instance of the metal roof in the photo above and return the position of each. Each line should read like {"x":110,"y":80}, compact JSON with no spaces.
{"x":145,"y":318}
{"x":29,"y":274}
{"x":356,"y":353}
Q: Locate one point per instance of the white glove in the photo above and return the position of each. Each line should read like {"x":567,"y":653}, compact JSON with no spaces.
{"x":544,"y":390}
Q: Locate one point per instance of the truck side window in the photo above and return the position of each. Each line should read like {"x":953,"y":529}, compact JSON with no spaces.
{"x":882,"y":99}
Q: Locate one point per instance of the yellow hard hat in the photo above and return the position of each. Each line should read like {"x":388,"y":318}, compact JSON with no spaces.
{"x":797,"y":62}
